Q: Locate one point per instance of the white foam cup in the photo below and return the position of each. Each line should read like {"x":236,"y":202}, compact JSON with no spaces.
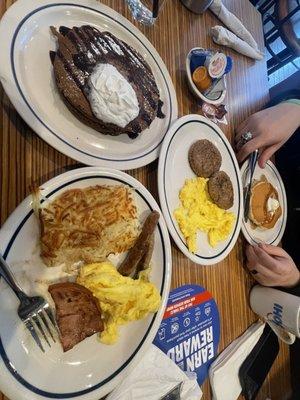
{"x":279,"y":309}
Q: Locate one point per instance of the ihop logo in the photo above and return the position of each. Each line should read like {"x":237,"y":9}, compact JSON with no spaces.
{"x":276,"y":315}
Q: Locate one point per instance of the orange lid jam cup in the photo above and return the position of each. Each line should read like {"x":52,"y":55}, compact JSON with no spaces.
{"x":201,"y":78}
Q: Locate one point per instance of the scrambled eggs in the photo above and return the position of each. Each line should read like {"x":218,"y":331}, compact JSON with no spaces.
{"x":199,"y":212}
{"x":122,"y":299}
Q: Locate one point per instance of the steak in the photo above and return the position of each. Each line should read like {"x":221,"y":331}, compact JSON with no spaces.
{"x":79,"y":50}
{"x":78,"y":313}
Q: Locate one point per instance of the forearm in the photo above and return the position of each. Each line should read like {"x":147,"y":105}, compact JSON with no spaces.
{"x":291,"y":109}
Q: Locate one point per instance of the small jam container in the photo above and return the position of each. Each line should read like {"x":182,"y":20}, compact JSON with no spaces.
{"x":202,"y":79}
{"x":201,"y":57}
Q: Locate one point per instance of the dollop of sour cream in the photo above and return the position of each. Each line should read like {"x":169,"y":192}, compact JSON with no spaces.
{"x":112,"y":98}
{"x":272,"y":205}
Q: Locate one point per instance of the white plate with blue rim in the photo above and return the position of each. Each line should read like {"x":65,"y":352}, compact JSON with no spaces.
{"x":274,"y":235}
{"x":27,"y":77}
{"x":174,"y":169}
{"x":90,"y":370}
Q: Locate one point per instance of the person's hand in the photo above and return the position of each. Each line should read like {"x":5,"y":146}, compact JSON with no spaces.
{"x":272,"y":266}
{"x":270,"y":129}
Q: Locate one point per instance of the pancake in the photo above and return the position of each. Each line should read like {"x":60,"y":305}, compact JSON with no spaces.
{"x":79,"y":50}
{"x":262,"y":194}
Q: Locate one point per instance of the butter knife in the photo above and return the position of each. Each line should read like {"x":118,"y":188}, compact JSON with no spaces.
{"x":251,"y":168}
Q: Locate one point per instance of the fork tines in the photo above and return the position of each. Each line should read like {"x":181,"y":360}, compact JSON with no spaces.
{"x":42,"y":324}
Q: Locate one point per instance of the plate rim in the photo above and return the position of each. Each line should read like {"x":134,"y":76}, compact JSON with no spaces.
{"x":278,"y":238}
{"x":9,"y":27}
{"x":161,"y":189}
{"x":17,"y":390}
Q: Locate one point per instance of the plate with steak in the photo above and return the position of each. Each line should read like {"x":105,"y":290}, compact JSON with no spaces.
{"x":93,"y":299}
{"x":86,"y":81}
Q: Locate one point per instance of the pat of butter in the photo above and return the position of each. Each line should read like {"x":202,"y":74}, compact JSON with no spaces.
{"x":272,"y":205}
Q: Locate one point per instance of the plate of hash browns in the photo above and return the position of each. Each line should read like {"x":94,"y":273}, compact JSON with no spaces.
{"x":94,"y":243}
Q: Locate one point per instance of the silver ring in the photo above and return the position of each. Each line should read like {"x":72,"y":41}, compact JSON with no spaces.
{"x":246,"y":137}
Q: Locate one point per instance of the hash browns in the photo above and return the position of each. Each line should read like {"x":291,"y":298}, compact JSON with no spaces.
{"x":86,"y":225}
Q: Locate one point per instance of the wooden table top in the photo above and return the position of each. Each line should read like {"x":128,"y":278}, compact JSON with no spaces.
{"x":25,"y":159}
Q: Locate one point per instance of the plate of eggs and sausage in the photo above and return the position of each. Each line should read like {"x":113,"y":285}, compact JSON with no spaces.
{"x":200,"y":189}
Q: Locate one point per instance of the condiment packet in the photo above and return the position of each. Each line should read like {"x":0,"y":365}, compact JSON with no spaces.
{"x":157,"y":377}
{"x":216,"y":113}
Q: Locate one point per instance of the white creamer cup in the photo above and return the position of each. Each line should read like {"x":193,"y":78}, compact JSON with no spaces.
{"x":217,"y":58}
{"x":279,"y":309}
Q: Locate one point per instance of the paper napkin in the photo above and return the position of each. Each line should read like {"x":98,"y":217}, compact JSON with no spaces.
{"x":236,"y":36}
{"x":156,"y":377}
{"x":224,"y":371}
{"x":232,"y":22}
{"x":224,"y":37}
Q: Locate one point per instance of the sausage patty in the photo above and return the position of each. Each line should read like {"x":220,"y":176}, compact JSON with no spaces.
{"x":204,"y":158}
{"x":221,"y":190}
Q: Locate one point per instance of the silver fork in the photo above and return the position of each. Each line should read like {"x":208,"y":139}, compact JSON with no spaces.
{"x":251,"y":168}
{"x":35,"y":312}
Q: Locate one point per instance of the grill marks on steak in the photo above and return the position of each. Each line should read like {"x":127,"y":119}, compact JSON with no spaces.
{"x":79,"y":50}
{"x":78,"y":313}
